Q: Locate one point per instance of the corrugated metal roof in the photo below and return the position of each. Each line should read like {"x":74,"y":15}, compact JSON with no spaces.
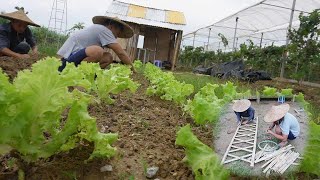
{"x":145,"y":15}
{"x":175,"y":17}
{"x":137,"y":11}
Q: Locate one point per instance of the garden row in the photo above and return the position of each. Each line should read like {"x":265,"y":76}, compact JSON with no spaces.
{"x":206,"y":106}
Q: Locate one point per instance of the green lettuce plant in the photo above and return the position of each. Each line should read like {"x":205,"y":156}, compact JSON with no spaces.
{"x":166,"y":86}
{"x":106,"y":82}
{"x":207,"y":104}
{"x":32,"y":109}
{"x":311,"y":156}
{"x":269,"y":92}
{"x":204,"y":162}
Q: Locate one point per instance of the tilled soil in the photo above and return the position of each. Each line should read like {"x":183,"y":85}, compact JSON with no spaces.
{"x":12,"y":66}
{"x":147,"y":128}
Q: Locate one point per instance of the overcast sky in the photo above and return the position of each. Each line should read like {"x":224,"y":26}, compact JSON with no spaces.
{"x":198,"y":13}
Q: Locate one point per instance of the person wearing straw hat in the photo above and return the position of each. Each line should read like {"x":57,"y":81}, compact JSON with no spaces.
{"x":16,"y":38}
{"x":88,"y":44}
{"x":285,"y":125}
{"x":243,"y":110}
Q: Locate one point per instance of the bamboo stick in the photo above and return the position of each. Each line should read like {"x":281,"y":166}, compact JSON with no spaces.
{"x":275,"y":153}
{"x":255,"y":144}
{"x":229,"y":147}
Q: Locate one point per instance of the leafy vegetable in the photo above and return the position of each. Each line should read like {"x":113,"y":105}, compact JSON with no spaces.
{"x":137,"y":64}
{"x":204,"y":162}
{"x":166,"y":86}
{"x":207,"y":104}
{"x":269,"y":92}
{"x":311,"y":156}
{"x":31,"y":108}
{"x":106,"y":82}
{"x":286,"y":92}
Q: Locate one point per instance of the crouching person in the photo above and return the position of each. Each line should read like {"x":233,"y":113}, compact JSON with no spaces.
{"x":87,"y":44}
{"x":16,"y":38}
{"x":286,"y":126}
{"x":244,"y":111}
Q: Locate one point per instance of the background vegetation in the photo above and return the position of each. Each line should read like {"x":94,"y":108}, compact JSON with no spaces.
{"x":302,"y":63}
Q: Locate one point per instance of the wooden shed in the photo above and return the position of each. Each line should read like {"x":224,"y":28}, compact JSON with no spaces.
{"x":161,"y":31}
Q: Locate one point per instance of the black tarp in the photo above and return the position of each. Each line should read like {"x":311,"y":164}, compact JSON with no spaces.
{"x":234,"y":69}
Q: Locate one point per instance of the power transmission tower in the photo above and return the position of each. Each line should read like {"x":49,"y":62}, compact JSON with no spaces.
{"x":58,"y":22}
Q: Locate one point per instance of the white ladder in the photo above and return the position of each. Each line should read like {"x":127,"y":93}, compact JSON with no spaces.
{"x":243,"y":144}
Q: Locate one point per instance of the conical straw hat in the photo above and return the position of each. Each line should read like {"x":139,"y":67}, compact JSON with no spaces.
{"x":241,"y":105}
{"x":19,"y":15}
{"x":127,"y":30}
{"x":276,"y":113}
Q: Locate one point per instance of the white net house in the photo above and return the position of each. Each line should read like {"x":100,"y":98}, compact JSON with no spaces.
{"x":264,"y":23}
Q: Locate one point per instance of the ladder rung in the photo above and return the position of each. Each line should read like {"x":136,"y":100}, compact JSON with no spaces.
{"x":56,"y":19}
{"x":59,"y":10}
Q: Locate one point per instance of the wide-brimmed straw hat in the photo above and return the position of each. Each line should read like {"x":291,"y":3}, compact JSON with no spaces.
{"x":276,"y":113}
{"x":19,"y":15}
{"x":127,"y":30}
{"x":241,"y":105}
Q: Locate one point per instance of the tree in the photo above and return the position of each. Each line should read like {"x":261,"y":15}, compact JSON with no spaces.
{"x":78,"y":26}
{"x":224,"y":40}
{"x":304,"y":48}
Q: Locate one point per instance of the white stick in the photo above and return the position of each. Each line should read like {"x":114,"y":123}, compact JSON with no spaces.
{"x":271,"y":165}
{"x":282,"y":161}
{"x":227,"y":151}
{"x":265,"y":164}
{"x":289,"y":163}
{"x":275,"y":153}
{"x":255,"y":144}
{"x":278,"y":158}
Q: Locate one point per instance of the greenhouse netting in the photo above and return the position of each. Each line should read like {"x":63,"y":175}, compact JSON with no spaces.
{"x":265,"y":23}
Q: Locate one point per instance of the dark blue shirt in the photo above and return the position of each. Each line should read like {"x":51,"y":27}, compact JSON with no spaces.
{"x":248,"y":113}
{"x":9,"y":38}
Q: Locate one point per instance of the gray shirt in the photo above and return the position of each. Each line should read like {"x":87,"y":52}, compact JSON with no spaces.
{"x":95,"y":34}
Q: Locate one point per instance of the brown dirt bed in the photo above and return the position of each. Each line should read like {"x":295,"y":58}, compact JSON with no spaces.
{"x":147,"y":128}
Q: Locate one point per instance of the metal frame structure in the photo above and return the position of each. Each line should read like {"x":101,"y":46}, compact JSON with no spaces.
{"x":243,"y":144}
{"x":265,"y":23}
{"x":58,"y":21}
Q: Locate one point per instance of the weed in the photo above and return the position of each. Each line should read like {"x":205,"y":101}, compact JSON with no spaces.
{"x":70,"y":175}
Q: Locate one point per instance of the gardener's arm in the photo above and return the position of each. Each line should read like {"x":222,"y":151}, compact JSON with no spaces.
{"x":238,"y":116}
{"x":35,"y":50}
{"x":123,"y":56}
{"x":5,"y":44}
{"x":31,"y":41}
{"x":8,"y":52}
{"x":251,"y":113}
{"x":280,"y":137}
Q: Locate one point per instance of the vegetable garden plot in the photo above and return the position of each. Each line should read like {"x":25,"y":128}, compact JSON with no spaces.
{"x":146,"y":128}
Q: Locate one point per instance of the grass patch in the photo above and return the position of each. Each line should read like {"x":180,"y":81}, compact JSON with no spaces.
{"x":198,"y":81}
{"x":239,"y":169}
{"x":48,"y":49}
